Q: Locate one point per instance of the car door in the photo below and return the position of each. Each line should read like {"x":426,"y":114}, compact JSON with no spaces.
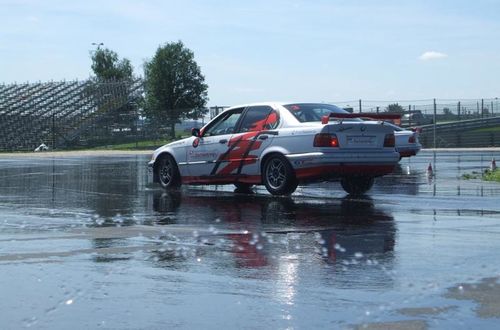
{"x":254,"y":134}
{"x":206,"y":151}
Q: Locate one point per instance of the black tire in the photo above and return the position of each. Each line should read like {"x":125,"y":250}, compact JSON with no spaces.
{"x":357,"y":185}
{"x":278,"y":176}
{"x":242,"y":187}
{"x":168,"y":172}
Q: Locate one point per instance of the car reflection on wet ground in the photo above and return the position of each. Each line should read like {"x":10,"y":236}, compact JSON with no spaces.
{"x":86,"y":242}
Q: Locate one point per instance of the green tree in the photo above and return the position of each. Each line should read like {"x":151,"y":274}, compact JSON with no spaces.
{"x":107,"y":66}
{"x":447,"y":111}
{"x":174,"y":86}
{"x":395,"y":108}
{"x":112,"y":90}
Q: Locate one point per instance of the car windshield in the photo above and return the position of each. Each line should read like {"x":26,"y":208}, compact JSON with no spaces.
{"x":310,"y":112}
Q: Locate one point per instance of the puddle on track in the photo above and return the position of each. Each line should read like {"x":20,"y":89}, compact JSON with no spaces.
{"x":86,"y":242}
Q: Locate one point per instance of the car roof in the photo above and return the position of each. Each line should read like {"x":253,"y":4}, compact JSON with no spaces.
{"x":271,"y":104}
{"x":253,"y":104}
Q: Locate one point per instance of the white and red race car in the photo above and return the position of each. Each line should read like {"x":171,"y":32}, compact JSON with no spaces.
{"x":281,"y":145}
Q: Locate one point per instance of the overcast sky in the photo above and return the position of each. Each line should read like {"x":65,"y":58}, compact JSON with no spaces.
{"x":310,"y":50}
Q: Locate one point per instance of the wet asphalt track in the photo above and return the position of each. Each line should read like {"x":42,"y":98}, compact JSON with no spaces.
{"x":86,"y":242}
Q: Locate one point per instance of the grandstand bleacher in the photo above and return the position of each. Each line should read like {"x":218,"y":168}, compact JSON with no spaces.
{"x":63,"y":114}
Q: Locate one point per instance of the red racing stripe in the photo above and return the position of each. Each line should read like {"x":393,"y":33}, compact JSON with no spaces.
{"x":334,"y":170}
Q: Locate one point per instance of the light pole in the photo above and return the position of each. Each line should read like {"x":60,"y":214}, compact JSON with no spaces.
{"x":98,"y":44}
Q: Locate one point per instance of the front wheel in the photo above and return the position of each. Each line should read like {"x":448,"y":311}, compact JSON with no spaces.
{"x":357,"y":185}
{"x":278,"y":176}
{"x":168,"y":172}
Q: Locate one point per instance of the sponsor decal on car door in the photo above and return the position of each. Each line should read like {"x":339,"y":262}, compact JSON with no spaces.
{"x":207,"y":149}
{"x":205,"y":152}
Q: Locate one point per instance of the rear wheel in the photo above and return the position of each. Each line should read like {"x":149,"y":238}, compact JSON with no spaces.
{"x":168,"y":172}
{"x":357,"y":185}
{"x":278,"y":176}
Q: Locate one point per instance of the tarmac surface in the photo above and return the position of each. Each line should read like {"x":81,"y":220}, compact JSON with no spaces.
{"x":87,"y":242}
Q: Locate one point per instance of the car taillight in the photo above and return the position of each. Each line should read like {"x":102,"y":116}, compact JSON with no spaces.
{"x":389,"y":141}
{"x":326,"y":140}
{"x":412,"y":139}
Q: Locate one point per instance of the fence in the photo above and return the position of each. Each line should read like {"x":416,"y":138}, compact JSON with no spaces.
{"x":71,"y":114}
{"x":446,"y":123}
{"x":87,"y":113}
{"x":446,"y":109}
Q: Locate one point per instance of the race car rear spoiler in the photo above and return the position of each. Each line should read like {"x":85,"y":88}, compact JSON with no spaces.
{"x":393,"y":117}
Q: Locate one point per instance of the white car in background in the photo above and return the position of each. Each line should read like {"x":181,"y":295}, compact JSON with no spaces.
{"x":407,"y":143}
{"x":280,"y":145}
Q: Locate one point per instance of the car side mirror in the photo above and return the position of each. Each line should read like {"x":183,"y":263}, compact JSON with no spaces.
{"x":195,"y":132}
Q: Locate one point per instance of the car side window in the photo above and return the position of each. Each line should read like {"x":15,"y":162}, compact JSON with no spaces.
{"x":259,"y":118}
{"x":225,"y":124}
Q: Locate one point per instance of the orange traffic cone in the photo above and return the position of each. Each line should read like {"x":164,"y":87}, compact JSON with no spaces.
{"x":493,"y":165}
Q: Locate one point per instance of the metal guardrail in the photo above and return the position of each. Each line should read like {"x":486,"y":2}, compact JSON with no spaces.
{"x":463,"y":125}
{"x":462,"y":140}
{"x":461,"y":134}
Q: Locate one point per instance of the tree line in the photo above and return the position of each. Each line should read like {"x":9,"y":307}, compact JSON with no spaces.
{"x":174,"y":87}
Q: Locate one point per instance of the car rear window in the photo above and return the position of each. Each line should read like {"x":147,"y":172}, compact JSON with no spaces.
{"x":309,"y":112}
